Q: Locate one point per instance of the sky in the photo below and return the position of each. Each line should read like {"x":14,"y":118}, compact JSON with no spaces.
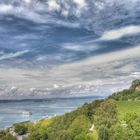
{"x":58,"y":48}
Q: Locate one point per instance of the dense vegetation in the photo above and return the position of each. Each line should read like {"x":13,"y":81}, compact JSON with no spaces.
{"x":20,"y":128}
{"x":4,"y":135}
{"x":128,"y":107}
{"x":133,"y":93}
{"x":76,"y":125}
{"x":115,"y":118}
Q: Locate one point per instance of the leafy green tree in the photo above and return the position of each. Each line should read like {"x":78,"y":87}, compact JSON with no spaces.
{"x":135,"y":83}
{"x":119,"y":132}
{"x":2,"y":133}
{"x":38,"y":135}
{"x":79,"y":125}
{"x":20,"y":128}
{"x":64,"y":135}
{"x":106,"y":114}
{"x":103,"y":133}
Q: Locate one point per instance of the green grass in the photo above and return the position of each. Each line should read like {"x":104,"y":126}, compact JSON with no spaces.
{"x":94,"y":135}
{"x":125,"y":107}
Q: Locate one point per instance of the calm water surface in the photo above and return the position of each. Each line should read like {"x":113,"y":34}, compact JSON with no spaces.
{"x":11,"y":111}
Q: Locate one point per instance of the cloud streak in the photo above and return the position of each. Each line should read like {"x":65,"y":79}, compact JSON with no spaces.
{"x":13,"y":55}
{"x":118,"y":33}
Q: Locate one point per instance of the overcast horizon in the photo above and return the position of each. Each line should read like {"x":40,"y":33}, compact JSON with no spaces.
{"x":60,"y":48}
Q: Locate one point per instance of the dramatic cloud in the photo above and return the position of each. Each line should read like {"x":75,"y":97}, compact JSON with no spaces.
{"x":87,"y":14}
{"x":78,"y":46}
{"x":116,"y":34}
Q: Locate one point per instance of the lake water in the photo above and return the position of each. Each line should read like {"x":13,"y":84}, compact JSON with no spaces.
{"x":11,"y":111}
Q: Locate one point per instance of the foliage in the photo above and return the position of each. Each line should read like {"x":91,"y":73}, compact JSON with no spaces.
{"x":4,"y":135}
{"x":106,"y":114}
{"x":135,"y":83}
{"x":103,"y":133}
{"x":118,"y":132}
{"x":127,"y":94}
{"x":39,"y":134}
{"x":20,"y":128}
{"x":128,"y":107}
{"x":105,"y":117}
{"x":71,"y":126}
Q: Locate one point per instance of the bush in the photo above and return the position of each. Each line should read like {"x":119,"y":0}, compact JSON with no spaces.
{"x":103,"y":133}
{"x":106,"y":114}
{"x":135,"y":83}
{"x":8,"y":137}
{"x":38,"y":135}
{"x":20,"y":129}
{"x":82,"y":136}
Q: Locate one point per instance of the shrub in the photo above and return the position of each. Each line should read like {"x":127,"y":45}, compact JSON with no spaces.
{"x":20,"y":128}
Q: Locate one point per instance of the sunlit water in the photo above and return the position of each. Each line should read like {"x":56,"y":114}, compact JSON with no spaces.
{"x":11,"y":111}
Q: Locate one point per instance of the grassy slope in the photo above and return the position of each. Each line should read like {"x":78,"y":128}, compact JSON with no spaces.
{"x":95,"y":135}
{"x":125,"y":107}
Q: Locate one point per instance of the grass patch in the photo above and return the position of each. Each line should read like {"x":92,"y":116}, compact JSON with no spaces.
{"x":95,"y":135}
{"x":125,"y":107}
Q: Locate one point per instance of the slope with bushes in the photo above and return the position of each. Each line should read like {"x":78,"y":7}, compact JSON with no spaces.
{"x":114,"y":118}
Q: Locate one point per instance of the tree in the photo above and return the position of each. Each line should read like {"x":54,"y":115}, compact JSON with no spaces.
{"x":103,"y":133}
{"x":82,"y":136}
{"x":2,"y":133}
{"x":63,"y":135}
{"x":38,"y":134}
{"x":79,"y":125}
{"x":118,"y":132}
{"x":106,"y":114}
{"x":105,"y":117}
{"x":20,"y":128}
{"x":135,"y":83}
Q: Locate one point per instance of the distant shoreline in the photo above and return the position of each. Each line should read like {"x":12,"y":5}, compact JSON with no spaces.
{"x":45,"y":99}
{"x":50,"y":101}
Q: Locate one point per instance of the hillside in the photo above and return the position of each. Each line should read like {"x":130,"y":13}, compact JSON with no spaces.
{"x":131,"y":94}
{"x":128,"y":107}
{"x":114,"y":118}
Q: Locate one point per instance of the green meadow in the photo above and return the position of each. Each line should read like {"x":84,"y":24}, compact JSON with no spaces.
{"x":125,"y":107}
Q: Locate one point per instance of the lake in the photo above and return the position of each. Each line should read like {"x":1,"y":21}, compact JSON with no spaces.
{"x":11,"y":110}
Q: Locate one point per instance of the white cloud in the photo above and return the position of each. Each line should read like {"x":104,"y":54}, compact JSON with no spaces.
{"x":53,"y":5}
{"x":98,"y":71}
{"x":118,"y":33}
{"x":5,"y":8}
{"x":65,"y":12}
{"x":80,"y":47}
{"x":28,"y":1}
{"x":80,"y":3}
{"x":97,"y":67}
{"x":113,"y":56}
{"x":13,"y":55}
{"x":42,"y":11}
